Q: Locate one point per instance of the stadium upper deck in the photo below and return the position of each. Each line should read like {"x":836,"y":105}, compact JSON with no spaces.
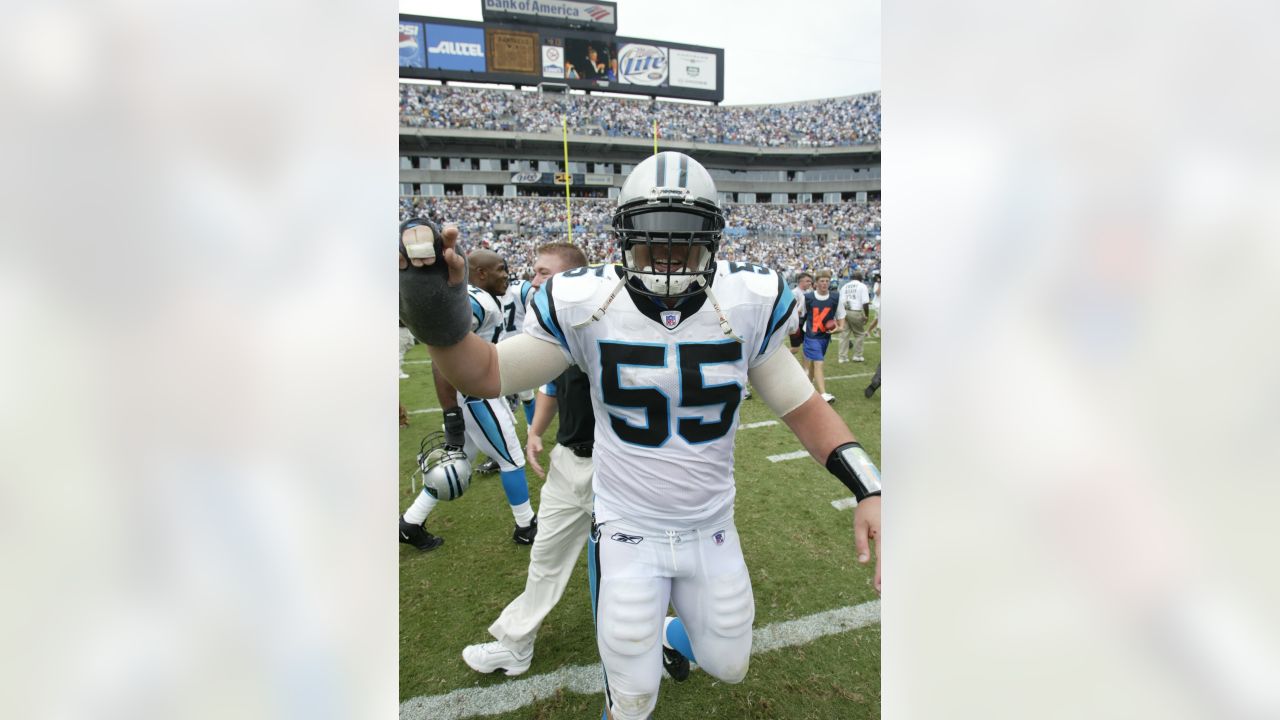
{"x":834,"y":122}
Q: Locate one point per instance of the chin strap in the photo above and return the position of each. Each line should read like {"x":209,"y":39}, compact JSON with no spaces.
{"x":724,"y":321}
{"x":599,"y":313}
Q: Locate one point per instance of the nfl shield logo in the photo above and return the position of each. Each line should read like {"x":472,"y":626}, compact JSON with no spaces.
{"x":670,"y":318}
{"x":718,"y":537}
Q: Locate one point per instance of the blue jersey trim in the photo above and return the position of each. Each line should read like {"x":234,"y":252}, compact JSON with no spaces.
{"x":783,"y":305}
{"x":488,"y":423}
{"x":543,"y":309}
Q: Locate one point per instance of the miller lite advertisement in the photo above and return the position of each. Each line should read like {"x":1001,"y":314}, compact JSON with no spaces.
{"x":412,"y":54}
{"x":642,"y":65}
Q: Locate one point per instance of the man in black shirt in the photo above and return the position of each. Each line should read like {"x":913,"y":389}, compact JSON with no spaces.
{"x":564,"y":517}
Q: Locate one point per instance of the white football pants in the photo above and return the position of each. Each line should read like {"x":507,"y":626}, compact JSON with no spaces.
{"x":564,"y":522}
{"x":491,"y":429}
{"x":636,"y":572}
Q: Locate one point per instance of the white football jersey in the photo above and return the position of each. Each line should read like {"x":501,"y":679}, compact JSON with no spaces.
{"x":487,"y":319}
{"x":665,"y":384}
{"x":514,"y":303}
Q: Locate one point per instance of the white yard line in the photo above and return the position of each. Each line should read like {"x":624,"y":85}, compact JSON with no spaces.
{"x":765,"y":423}
{"x":844,"y":503}
{"x":417,"y":362}
{"x":846,"y":377}
{"x":589,"y":679}
{"x":789,"y":456}
{"x":425,"y":410}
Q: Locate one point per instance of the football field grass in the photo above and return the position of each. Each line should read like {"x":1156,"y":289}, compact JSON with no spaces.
{"x":798,"y":547}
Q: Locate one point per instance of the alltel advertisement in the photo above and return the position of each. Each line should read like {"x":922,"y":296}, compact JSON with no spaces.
{"x":642,"y":65}
{"x":691,"y":69}
{"x":412,"y":53}
{"x":451,"y":47}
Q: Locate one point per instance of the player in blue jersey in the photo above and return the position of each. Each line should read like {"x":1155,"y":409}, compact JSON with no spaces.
{"x":669,"y":339}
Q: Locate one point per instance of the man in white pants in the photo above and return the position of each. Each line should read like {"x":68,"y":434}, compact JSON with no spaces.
{"x":565,"y":506}
{"x":851,"y":317}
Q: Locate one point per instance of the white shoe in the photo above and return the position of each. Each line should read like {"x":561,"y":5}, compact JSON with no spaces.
{"x":842,"y":361}
{"x":493,"y":656}
{"x":404,"y":376}
{"x":828,"y":397}
{"x":859,"y":359}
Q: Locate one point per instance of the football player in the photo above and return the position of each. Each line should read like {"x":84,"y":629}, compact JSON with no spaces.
{"x":490,"y":426}
{"x":514,"y":302}
{"x":669,"y":339}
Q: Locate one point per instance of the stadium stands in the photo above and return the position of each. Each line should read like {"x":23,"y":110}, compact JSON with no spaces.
{"x":821,"y":123}
{"x":788,"y":238}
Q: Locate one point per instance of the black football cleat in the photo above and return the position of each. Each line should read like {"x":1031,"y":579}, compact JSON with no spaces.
{"x":488,"y":468}
{"x":525,"y":535}
{"x":417,"y":536}
{"x":675,"y":663}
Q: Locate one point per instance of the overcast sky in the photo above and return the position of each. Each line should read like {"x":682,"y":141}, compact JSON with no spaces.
{"x":774,"y":51}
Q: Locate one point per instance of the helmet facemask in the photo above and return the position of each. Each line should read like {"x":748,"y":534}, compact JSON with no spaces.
{"x":669,"y":242}
{"x":446,"y":472}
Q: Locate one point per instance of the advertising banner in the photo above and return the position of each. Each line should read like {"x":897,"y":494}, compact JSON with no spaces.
{"x":691,"y":69}
{"x":553,"y":61}
{"x":533,"y":177}
{"x":525,"y":54}
{"x":453,"y":47}
{"x":412,"y":54}
{"x":599,"y":16}
{"x":510,"y":51}
{"x":642,"y":65}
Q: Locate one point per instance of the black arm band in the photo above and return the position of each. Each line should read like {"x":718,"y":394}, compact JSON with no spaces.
{"x":455,"y":427}
{"x":853,"y":467}
{"x":436,"y":312}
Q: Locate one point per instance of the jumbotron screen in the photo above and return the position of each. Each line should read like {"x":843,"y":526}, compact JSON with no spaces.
{"x":443,"y":49}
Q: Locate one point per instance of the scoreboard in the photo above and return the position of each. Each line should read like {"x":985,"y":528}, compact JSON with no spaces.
{"x":513,"y":53}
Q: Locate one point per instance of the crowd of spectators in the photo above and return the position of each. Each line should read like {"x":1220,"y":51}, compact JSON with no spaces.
{"x":787,"y":238}
{"x":821,"y":123}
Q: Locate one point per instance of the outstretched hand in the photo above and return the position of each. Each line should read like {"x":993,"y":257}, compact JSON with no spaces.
{"x":418,"y":248}
{"x":532,"y":448}
{"x":866,"y":528}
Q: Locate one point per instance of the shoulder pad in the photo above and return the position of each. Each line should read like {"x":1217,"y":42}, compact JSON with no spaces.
{"x":486,"y":300}
{"x":752,"y":281}
{"x":576,"y":286}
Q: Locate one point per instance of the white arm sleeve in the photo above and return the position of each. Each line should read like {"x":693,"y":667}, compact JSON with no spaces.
{"x":781,"y":382}
{"x":525,"y":362}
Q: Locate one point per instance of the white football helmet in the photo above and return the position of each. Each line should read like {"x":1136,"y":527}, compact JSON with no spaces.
{"x":446,"y":472}
{"x":669,"y":224}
